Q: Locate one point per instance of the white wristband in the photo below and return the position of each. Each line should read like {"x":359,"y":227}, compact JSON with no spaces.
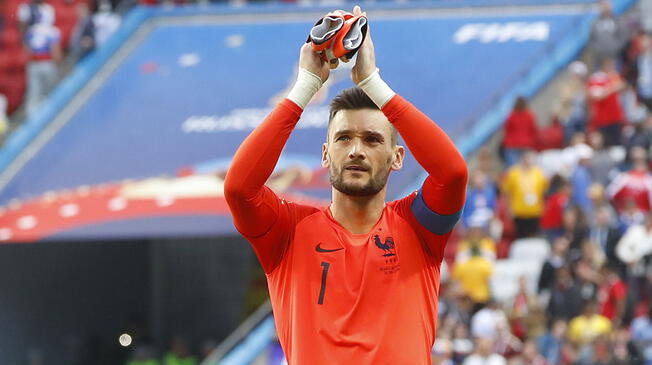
{"x":377,"y":89}
{"x":305,"y":88}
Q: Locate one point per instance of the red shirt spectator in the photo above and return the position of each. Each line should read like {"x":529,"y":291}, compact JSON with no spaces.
{"x":552,"y":136}
{"x":553,"y":209}
{"x":633,"y":185}
{"x":612,"y":296}
{"x":604,"y":99}
{"x":520,"y":127}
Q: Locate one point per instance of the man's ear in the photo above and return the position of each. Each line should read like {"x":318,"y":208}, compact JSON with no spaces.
{"x":399,"y":155}
{"x":324,"y":156}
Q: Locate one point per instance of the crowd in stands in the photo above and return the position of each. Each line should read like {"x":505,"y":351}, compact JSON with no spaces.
{"x":39,"y":40}
{"x":581,"y":185}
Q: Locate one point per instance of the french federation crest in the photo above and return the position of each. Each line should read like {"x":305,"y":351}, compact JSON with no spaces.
{"x":388,"y":247}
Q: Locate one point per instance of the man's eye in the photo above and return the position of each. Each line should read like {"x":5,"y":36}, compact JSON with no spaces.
{"x":371,"y":139}
{"x":342,"y":138}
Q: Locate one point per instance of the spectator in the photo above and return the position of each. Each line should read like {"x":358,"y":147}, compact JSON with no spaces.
{"x":644,"y":80}
{"x":624,"y":349}
{"x":603,"y":165}
{"x":83,"y":36}
{"x":572,"y":103}
{"x":554,"y":262}
{"x":600,"y":202}
{"x":581,"y":179}
{"x":524,"y":187}
{"x":520,"y":132}
{"x":641,"y":332}
{"x":635,"y":111}
{"x":636,"y":243}
{"x":32,"y":13}
{"x":105,"y":22}
{"x":529,"y":356}
{"x":44,"y":49}
{"x":606,"y":236}
{"x":462,"y":344}
{"x":565,"y":300}
{"x":588,"y":326}
{"x":570,"y":155}
{"x":596,"y":352}
{"x":630,"y":216}
{"x":586,"y":274}
{"x":484,"y":354}
{"x":606,"y":112}
{"x":607,"y":35}
{"x":612,"y":295}
{"x":474,"y":275}
{"x":633,"y":185}
{"x":552,"y":136}
{"x":526,"y":317}
{"x":490,"y":322}
{"x":575,"y":229}
{"x":480,"y":201}
{"x":476,"y":238}
{"x":442,"y":352}
{"x":550,"y":344}
{"x":553,"y":211}
{"x":179,"y":353}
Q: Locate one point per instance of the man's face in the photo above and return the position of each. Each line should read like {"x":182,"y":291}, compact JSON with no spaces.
{"x":359,"y":153}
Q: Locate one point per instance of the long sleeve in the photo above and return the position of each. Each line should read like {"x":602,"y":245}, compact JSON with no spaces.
{"x":258,"y":213}
{"x":254,"y":206}
{"x":445,"y":187}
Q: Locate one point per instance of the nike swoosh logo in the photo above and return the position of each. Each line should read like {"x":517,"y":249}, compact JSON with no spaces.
{"x":320,"y":249}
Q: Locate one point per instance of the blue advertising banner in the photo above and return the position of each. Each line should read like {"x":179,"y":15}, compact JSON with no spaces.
{"x":146,"y":154}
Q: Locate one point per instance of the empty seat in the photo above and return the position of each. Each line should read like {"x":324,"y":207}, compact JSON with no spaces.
{"x":536,"y":249}
{"x":504,"y":281}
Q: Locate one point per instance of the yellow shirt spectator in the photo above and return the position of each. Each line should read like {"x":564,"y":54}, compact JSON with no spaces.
{"x":474,"y":275}
{"x":525,"y":188}
{"x":584,"y":328}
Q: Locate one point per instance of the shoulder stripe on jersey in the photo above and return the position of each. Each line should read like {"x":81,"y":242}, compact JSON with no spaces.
{"x":434,"y":222}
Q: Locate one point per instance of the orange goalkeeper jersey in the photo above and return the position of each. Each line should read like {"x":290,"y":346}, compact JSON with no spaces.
{"x":343,"y":298}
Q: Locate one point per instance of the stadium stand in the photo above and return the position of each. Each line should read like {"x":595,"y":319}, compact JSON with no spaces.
{"x":532,"y":321}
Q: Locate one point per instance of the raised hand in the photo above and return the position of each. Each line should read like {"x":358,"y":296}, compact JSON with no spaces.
{"x":310,"y":61}
{"x":365,"y":64}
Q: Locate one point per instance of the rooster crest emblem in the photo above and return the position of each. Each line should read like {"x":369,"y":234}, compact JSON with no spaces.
{"x":388,"y":246}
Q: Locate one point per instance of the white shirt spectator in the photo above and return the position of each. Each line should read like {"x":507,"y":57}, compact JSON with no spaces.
{"x":635,"y":244}
{"x":106,"y":23}
{"x":488,"y":323}
{"x":43,"y":13}
{"x":41,"y":38}
{"x":493,"y":359}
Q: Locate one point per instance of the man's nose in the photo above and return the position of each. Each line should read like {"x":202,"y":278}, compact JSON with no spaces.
{"x":357,"y":150}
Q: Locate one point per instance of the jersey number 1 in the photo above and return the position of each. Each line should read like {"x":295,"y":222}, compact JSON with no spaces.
{"x":324,"y":275}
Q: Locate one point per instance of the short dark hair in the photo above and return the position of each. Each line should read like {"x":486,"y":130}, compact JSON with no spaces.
{"x":355,"y":98}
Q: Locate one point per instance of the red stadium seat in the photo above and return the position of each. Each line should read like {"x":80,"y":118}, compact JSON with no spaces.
{"x":13,"y":63}
{"x":10,"y":41}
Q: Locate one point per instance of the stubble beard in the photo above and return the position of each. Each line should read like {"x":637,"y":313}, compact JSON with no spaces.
{"x":374,"y":185}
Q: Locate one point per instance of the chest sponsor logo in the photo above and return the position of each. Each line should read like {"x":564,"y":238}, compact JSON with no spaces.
{"x":318,"y":248}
